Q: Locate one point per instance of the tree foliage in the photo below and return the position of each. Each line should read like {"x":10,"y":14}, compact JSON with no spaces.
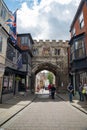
{"x":50,"y":77}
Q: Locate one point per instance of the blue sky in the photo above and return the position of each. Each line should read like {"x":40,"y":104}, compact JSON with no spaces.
{"x":44,"y":19}
{"x":14,"y":4}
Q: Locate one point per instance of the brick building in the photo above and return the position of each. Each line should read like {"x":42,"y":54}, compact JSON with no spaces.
{"x":78,"y":46}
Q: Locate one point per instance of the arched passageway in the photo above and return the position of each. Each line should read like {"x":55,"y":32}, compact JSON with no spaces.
{"x":43,"y":79}
{"x":50,"y":67}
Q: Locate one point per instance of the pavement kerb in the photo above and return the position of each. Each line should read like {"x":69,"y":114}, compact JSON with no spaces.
{"x":61,"y":97}
{"x":79,"y":109}
{"x":17,"y":111}
{"x":73,"y":104}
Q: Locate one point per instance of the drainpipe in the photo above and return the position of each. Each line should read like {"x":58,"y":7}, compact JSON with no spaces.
{"x":1,"y":82}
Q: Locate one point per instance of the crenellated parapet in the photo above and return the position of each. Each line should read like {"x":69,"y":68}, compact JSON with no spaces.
{"x":51,"y":42}
{"x":47,"y":48}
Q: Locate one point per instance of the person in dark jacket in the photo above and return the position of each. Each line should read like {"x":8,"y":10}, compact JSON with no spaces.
{"x":53,"y":89}
{"x":81,"y":96}
{"x":70,"y":90}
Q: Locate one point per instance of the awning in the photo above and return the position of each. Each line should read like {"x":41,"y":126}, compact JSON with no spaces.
{"x":13,"y":71}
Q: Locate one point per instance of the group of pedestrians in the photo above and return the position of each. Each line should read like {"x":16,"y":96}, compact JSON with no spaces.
{"x":82,"y":91}
{"x":52,"y":90}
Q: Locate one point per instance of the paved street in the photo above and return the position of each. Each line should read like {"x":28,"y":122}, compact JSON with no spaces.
{"x":47,"y":114}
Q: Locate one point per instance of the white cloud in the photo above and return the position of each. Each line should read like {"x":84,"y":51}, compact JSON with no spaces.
{"x":27,"y":16}
{"x":77,"y":2}
{"x":50,"y":19}
{"x":63,"y":1}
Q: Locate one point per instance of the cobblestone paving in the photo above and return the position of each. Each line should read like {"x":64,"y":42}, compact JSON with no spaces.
{"x":48,"y":114}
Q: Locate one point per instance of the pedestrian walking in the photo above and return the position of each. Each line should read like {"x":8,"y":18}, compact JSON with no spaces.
{"x":84,"y":91}
{"x":80,"y":89}
{"x":49,"y":88}
{"x":70,"y":91}
{"x":53,"y":89}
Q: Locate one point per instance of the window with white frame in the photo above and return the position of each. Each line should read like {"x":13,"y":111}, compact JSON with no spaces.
{"x":29,"y":43}
{"x":24,"y":40}
{"x":81,"y":21}
{"x":0,"y":44}
{"x":73,"y":32}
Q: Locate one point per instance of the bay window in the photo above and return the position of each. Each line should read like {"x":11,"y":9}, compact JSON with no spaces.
{"x":24,"y":40}
{"x":72,"y":55}
{"x":77,"y":49}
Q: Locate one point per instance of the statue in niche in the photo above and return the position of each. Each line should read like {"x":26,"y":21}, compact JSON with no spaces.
{"x":46,"y":51}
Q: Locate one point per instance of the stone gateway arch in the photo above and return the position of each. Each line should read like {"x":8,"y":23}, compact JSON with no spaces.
{"x":51,"y":56}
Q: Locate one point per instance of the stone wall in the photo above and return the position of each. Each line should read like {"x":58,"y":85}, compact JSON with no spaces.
{"x":55,"y":53}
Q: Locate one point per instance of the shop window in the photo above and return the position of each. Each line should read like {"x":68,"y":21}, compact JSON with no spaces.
{"x":21,"y":86}
{"x":83,"y":77}
{"x":0,"y":44}
{"x":81,"y":21}
{"x":7,"y":84}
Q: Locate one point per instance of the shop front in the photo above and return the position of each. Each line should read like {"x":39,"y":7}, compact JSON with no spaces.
{"x":11,"y":83}
{"x":81,"y":77}
{"x":2,"y":69}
